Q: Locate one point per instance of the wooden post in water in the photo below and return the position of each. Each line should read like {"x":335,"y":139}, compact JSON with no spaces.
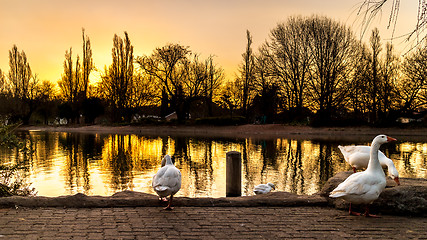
{"x":233,"y":174}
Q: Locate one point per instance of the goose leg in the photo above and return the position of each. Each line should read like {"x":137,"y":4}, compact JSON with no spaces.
{"x":354,"y":169}
{"x":353,"y":213}
{"x":169,"y":205}
{"x":366,"y":214}
{"x":163,"y":199}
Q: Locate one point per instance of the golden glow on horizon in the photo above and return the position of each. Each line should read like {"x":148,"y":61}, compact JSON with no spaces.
{"x":46,"y":29}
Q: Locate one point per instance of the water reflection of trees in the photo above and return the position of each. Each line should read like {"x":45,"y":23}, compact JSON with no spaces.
{"x":259,"y":163}
{"x":118,"y":162}
{"x":77,"y":148}
{"x":194,"y":158}
{"x":294,"y":165}
{"x":293,"y":169}
{"x":413,"y":158}
{"x":127,"y":155}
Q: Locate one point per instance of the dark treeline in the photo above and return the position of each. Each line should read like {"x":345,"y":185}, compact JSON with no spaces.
{"x":309,"y":70}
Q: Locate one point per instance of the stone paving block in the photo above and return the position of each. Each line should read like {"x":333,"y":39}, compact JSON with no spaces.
{"x":95,"y":236}
{"x":204,"y":223}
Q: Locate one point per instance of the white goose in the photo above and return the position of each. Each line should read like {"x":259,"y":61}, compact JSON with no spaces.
{"x":364,"y":187}
{"x":358,"y":158}
{"x":167,"y":180}
{"x":264,"y":188}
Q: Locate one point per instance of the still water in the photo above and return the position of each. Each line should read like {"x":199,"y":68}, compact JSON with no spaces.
{"x":102,"y":164}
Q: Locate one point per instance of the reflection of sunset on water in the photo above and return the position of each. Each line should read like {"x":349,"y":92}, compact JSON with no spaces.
{"x":96,"y":164}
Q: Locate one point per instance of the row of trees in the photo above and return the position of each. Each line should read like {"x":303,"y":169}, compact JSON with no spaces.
{"x":314,"y":64}
{"x":308,"y":67}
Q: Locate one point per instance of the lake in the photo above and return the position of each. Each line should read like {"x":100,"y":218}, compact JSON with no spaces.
{"x":103,"y":164}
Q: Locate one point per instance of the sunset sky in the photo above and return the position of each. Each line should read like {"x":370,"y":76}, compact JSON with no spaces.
{"x":46,"y":29}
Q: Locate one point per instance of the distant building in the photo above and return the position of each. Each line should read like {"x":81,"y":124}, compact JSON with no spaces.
{"x":174,"y":116}
{"x":171,"y":116}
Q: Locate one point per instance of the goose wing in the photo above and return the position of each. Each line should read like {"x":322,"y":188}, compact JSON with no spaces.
{"x":262,"y":188}
{"x":357,"y":184}
{"x":167,"y":179}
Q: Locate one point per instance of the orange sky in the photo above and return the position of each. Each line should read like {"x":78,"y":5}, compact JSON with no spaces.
{"x":46,"y":29}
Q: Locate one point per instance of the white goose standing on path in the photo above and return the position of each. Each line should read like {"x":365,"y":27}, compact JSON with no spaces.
{"x":358,"y":157}
{"x":167,"y":180}
{"x":365,"y":187}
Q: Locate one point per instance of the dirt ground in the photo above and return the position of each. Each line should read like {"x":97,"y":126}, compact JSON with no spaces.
{"x":266,"y":131}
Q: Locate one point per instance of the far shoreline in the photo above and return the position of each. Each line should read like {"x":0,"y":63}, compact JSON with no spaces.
{"x":265,"y":131}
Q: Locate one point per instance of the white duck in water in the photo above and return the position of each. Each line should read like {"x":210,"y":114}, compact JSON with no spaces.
{"x":358,"y":158}
{"x":264,"y":188}
{"x":365,"y":187}
{"x":167,"y":180}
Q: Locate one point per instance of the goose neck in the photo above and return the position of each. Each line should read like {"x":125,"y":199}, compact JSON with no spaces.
{"x":374,"y":162}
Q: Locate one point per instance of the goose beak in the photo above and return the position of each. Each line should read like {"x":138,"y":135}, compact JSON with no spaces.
{"x":396,"y":179}
{"x":390,"y":139}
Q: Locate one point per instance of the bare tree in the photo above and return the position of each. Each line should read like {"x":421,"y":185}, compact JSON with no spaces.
{"x":183,"y":78}
{"x":374,"y":78}
{"x":369,"y":9}
{"x":247,"y":74}
{"x":358,"y":98}
{"x":412,"y":91}
{"x":145,"y":91}
{"x":372,"y":91}
{"x":19,"y":73}
{"x":116,"y":85}
{"x":230,"y":96}
{"x":87,"y":63}
{"x":212,"y":84}
{"x":45,"y":96}
{"x":265,"y":86}
{"x":332,"y":52}
{"x":3,"y":85}
{"x":169,"y":66}
{"x":389,"y":73}
{"x":377,"y":74}
{"x":22,"y":84}
{"x":71,"y":84}
{"x":289,"y":59}
{"x":75,"y":79}
{"x":46,"y":91}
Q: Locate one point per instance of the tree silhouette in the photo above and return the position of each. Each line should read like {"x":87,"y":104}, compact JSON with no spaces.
{"x":332,"y":48}
{"x":71,"y":84}
{"x":87,"y":63}
{"x":46,"y":105}
{"x":229,"y":97}
{"x":182,"y":76}
{"x":165,"y":65}
{"x":374,"y":80}
{"x":288,"y":56}
{"x":247,"y":74}
{"x":215,"y":76}
{"x":412,"y":91}
{"x":389,"y":75}
{"x":116,"y":85}
{"x":19,"y":73}
{"x":370,"y":8}
{"x":22,"y":84}
{"x":3,"y":85}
